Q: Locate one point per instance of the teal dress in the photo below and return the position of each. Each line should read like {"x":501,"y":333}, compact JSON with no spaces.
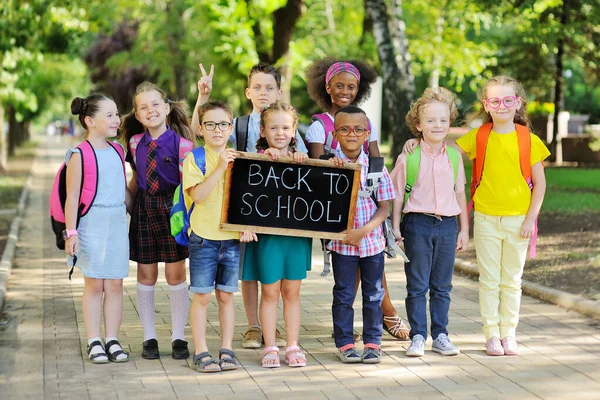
{"x":276,"y":257}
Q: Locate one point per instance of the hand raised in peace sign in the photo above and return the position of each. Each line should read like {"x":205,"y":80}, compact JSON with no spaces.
{"x":205,"y":83}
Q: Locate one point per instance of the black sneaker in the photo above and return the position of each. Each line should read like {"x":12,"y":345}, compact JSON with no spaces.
{"x":180,"y":349}
{"x":150,"y":349}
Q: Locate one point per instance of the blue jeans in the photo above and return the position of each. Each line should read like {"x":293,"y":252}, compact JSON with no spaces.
{"x":430,"y":245}
{"x":214,"y":264}
{"x":371,"y":276}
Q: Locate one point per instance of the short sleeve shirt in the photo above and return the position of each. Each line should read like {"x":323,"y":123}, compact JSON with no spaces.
{"x":167,"y":159}
{"x":434,"y":191}
{"x":205,"y":220}
{"x":374,"y":242}
{"x":502,"y":190}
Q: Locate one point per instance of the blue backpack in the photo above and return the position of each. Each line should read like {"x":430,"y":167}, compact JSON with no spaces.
{"x":180,"y":215}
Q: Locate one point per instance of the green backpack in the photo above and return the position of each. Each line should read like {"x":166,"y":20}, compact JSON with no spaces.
{"x":413,"y":162}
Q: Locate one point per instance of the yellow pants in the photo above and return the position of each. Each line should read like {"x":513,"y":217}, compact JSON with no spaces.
{"x":501,"y":254}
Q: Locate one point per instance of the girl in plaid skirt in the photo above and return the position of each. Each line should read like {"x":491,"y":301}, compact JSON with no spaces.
{"x":157,"y":132}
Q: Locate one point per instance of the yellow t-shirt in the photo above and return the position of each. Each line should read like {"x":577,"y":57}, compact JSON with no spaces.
{"x":205,"y":220}
{"x":502,"y":190}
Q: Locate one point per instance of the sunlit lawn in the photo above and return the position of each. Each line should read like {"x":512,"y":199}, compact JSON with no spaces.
{"x":569,"y":190}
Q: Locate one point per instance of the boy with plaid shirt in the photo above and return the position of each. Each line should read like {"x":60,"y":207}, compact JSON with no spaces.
{"x":361,"y":249}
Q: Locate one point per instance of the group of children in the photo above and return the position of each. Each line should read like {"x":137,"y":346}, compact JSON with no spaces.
{"x":426,"y":186}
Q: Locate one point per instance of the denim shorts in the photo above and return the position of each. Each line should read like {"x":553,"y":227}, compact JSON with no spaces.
{"x":214,"y":264}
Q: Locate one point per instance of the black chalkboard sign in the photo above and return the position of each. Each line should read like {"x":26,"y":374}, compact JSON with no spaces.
{"x":312,"y":198}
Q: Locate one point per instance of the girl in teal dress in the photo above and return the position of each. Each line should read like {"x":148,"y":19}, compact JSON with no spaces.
{"x":279,"y":263}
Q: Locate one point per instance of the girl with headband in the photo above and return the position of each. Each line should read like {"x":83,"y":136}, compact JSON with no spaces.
{"x":333,"y":84}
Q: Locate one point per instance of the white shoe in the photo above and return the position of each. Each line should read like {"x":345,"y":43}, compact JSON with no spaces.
{"x":417,"y":347}
{"x":444,"y":346}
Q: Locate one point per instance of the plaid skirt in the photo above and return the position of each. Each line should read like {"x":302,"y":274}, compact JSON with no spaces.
{"x":150,"y":239}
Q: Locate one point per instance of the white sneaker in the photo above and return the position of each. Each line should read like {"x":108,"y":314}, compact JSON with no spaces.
{"x":444,"y":346}
{"x":417,"y":347}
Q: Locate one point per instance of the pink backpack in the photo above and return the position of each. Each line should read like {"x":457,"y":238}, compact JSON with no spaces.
{"x":87,"y":193}
{"x":185,"y":146}
{"x":330,"y":142}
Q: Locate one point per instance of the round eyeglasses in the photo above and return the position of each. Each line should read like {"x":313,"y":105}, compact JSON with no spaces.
{"x":346,"y":130}
{"x":508,"y":101}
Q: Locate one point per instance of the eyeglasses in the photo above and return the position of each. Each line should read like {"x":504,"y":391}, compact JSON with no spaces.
{"x":211,"y":126}
{"x":508,"y":101}
{"x":346,"y":130}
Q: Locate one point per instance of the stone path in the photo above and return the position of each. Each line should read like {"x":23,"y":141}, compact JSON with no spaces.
{"x":42,"y":341}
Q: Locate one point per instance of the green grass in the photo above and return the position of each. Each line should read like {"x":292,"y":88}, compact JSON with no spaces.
{"x":10,"y":190}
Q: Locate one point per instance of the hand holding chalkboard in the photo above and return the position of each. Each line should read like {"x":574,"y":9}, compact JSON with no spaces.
{"x":290,"y":196}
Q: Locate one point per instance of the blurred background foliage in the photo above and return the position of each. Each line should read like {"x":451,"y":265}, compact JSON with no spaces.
{"x":51,"y":51}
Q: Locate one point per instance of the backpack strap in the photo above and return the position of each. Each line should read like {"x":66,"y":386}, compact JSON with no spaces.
{"x":330,"y":143}
{"x":133,"y":144}
{"x":89,"y":178}
{"x":374,"y":176}
{"x":241,"y":132}
{"x":454,"y":157}
{"x":184,"y":146}
{"x":481,"y":139}
{"x":413,"y":163}
{"x":524,"y":139}
{"x":200,"y":159}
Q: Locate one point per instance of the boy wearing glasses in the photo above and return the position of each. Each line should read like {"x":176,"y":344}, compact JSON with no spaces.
{"x":214,"y":253}
{"x":362,"y":249}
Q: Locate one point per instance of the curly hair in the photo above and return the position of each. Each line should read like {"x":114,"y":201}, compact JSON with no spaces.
{"x":261,"y":143}
{"x":521,"y":116}
{"x":430,"y":95}
{"x":177,"y":118}
{"x":315,"y":81}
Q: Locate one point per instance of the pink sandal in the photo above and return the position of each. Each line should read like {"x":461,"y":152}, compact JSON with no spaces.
{"x":294,"y":357}
{"x":268,"y":356}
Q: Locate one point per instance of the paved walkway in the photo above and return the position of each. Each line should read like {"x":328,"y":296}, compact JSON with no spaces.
{"x":42,"y":341}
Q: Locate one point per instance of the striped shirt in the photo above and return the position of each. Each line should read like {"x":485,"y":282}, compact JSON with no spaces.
{"x":374,"y":242}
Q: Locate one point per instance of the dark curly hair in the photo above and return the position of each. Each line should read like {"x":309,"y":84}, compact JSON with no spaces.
{"x":315,"y":81}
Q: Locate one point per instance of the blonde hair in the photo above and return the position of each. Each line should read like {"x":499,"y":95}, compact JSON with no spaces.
{"x":261,"y":143}
{"x":521,"y":116}
{"x":430,"y":95}
{"x":177,"y":118}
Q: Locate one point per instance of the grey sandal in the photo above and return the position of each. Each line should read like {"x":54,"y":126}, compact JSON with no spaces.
{"x":227,"y":356}
{"x":204,"y":366}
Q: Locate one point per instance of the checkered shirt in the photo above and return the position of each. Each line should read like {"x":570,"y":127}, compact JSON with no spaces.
{"x":374,"y":242}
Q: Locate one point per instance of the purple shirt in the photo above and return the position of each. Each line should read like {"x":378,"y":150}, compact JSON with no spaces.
{"x":168,"y":160}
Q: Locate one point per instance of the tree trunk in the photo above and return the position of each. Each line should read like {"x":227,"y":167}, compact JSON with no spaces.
{"x":434,"y":78}
{"x":558,"y":86}
{"x":175,"y":32}
{"x":3,"y":142}
{"x":398,"y":80}
{"x":286,"y":78}
{"x":12,"y":130}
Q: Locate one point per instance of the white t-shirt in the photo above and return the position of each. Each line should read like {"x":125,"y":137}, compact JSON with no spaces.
{"x":254,"y":134}
{"x":316,"y":132}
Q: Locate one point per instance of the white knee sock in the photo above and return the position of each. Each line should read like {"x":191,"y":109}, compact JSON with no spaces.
{"x":180,"y":306}
{"x":145,"y":302}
